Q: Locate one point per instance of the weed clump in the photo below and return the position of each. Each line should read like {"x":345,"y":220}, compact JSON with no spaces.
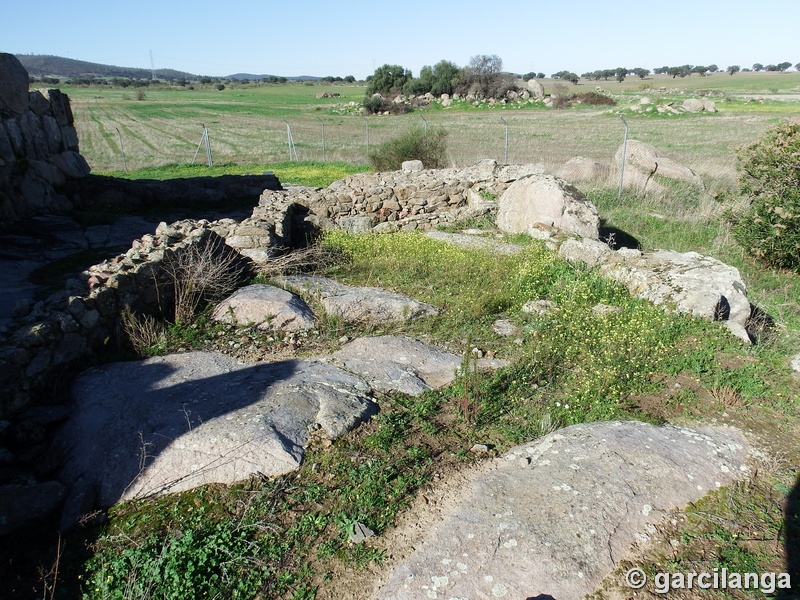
{"x":415,"y":144}
{"x":770,"y":228}
{"x":594,"y":99}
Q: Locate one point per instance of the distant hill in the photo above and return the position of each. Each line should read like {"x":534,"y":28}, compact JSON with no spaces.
{"x":41,"y":65}
{"x":252,"y":77}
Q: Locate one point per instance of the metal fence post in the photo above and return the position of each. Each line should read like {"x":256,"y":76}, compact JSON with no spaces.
{"x":424,"y":121}
{"x":624,"y":156}
{"x":292,"y":149}
{"x":366,"y":128}
{"x":505,"y":158}
{"x":208,"y":147}
{"x":323,"y":138}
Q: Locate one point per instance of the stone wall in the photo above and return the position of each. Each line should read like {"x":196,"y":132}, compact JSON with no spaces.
{"x":401,"y":200}
{"x":66,"y":330}
{"x":69,"y":328}
{"x":50,"y":341}
{"x":38,"y":146}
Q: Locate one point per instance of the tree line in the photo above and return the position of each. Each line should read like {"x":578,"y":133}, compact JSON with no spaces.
{"x":620,"y":73}
{"x":483,"y":76}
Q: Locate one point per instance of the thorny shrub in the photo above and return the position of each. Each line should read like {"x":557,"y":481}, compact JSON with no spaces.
{"x":415,"y":144}
{"x":770,"y":228}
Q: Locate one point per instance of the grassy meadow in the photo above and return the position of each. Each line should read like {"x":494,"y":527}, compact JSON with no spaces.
{"x":287,"y":537}
{"x":248,"y":123}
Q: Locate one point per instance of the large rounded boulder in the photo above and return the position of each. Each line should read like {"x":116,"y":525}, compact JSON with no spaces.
{"x":544,"y":202}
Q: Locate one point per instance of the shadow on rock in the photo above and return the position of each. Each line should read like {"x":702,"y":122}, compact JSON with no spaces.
{"x":172,"y":423}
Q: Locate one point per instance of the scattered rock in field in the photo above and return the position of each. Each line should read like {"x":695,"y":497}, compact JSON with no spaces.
{"x":396,"y":363}
{"x":699,"y":285}
{"x":553,"y":517}
{"x":479,"y":448}
{"x":588,"y":251}
{"x":604,"y":310}
{"x":536,"y":88}
{"x":644,"y":165}
{"x":175,"y":422}
{"x":504,"y":327}
{"x":581,"y":168}
{"x":699,"y":105}
{"x":545,"y":201}
{"x":267,"y":307}
{"x":359,"y":532}
{"x":540,"y":307}
{"x":368,"y":305}
{"x":795,"y":363}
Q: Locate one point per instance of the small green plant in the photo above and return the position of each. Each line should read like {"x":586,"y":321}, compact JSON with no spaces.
{"x":468,"y":390}
{"x":146,"y":334}
{"x":770,"y":228}
{"x":415,"y":144}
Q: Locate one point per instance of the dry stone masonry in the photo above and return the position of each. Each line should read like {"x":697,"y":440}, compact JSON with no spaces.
{"x":401,"y":200}
{"x":38,"y":146}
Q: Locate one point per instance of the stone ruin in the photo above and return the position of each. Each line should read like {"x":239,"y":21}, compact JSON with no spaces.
{"x":39,"y":151}
{"x":53,"y":339}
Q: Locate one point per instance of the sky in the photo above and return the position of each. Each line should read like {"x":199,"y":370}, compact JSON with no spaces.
{"x":354,"y":37}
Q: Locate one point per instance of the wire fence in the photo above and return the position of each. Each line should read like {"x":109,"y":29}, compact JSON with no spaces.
{"x":549,"y":138}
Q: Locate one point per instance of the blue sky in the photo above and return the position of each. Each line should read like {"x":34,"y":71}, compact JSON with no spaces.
{"x":354,"y":37}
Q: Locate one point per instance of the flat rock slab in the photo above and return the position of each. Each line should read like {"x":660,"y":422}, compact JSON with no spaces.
{"x":353,"y":304}
{"x":396,"y":363}
{"x":171,"y":423}
{"x":474,"y":242}
{"x":551,"y":518}
{"x":267,"y":307}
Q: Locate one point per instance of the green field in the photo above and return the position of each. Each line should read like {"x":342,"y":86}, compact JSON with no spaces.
{"x":248,"y":123}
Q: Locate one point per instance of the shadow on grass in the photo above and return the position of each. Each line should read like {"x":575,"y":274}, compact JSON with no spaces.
{"x":617,"y":238}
